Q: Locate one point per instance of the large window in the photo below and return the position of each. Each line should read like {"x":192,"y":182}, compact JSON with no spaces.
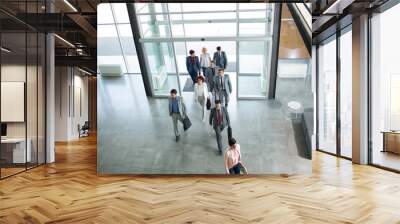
{"x":253,"y":68}
{"x":242,"y":30}
{"x":346,"y":93}
{"x":385,"y":89}
{"x":115,"y":38}
{"x":327,"y":96}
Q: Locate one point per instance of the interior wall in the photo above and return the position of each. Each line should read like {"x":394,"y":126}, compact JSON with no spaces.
{"x":12,"y":73}
{"x":71,"y":102}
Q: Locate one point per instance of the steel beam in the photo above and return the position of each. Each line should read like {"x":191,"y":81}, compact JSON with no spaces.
{"x":302,"y":25}
{"x":144,"y":68}
{"x":275,"y":51}
{"x":200,"y":38}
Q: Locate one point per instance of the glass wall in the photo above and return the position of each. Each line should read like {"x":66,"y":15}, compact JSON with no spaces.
{"x":346,"y":92}
{"x":385,"y":89}
{"x":253,"y":69}
{"x":161,"y":62}
{"x":115,"y":45}
{"x":333,"y":137}
{"x":22,"y":88}
{"x":327,"y":96}
{"x":197,"y":25}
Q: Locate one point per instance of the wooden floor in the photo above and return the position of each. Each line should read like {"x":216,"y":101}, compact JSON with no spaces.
{"x":69,"y":191}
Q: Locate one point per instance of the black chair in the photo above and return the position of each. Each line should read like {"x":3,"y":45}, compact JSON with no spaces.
{"x":84,"y":130}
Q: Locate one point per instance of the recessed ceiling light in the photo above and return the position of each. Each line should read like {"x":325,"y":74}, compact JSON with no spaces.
{"x":5,"y":50}
{"x":64,"y":40}
{"x":84,"y":71}
{"x":70,"y":5}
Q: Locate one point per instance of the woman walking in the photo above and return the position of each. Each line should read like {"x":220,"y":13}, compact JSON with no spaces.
{"x":232,"y":158}
{"x":201,"y":95}
{"x":205,"y":60}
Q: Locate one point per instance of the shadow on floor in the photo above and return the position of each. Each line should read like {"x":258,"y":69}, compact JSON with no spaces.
{"x":299,"y":135}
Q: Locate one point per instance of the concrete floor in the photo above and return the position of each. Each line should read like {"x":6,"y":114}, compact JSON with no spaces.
{"x":135,"y":135}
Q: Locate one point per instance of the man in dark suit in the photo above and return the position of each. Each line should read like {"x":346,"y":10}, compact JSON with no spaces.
{"x":193,"y":66}
{"x":210,"y":73}
{"x":219,"y":119}
{"x":222,"y":86}
{"x":220,"y":58}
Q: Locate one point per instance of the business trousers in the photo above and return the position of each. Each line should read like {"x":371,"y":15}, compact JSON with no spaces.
{"x":235,"y":169}
{"x":204,"y":70}
{"x":202,"y":101}
{"x":223,"y":96}
{"x":218,"y":133}
{"x":175,"y":118}
{"x":193,"y":75}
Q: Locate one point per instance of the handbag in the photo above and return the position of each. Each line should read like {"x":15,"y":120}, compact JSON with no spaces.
{"x":208,"y":104}
{"x":229,"y":132}
{"x":243,"y":169}
{"x":186,"y":123}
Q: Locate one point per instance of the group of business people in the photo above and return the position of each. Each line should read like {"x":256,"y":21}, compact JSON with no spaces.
{"x":211,"y":85}
{"x":208,"y":75}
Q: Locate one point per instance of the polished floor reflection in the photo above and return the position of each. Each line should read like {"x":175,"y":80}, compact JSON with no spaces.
{"x":386,"y":159}
{"x":136,"y":134}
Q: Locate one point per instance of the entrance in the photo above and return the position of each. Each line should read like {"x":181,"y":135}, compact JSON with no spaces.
{"x":248,"y":64}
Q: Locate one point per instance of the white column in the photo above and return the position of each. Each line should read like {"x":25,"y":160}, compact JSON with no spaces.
{"x":314,"y":91}
{"x":360,"y":90}
{"x":50,"y":99}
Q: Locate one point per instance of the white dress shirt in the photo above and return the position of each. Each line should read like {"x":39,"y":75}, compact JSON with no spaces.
{"x":205,"y":60}
{"x":200,"y":90}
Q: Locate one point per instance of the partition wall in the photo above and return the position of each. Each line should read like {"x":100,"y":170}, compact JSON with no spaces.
{"x":22,"y":76}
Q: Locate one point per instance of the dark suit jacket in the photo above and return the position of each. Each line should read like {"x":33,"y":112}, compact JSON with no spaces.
{"x":225,"y":117}
{"x":193,"y":68}
{"x":210,"y":72}
{"x":222,"y":61}
{"x":227,"y":82}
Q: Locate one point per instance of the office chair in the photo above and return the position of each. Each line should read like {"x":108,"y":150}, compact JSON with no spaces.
{"x":84,"y":130}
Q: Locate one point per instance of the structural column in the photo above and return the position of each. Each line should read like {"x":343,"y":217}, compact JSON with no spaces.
{"x":50,"y":91}
{"x":50,"y":98}
{"x":275,"y":51}
{"x":144,"y":68}
{"x":360,"y":90}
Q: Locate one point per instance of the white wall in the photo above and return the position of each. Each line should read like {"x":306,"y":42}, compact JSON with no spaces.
{"x":34,"y":125}
{"x":71,"y":102}
{"x":12,"y":73}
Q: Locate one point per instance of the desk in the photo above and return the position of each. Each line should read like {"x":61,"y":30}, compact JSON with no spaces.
{"x":391,"y":141}
{"x":17,"y":150}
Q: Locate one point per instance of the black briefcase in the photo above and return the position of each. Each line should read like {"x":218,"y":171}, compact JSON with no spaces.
{"x":186,"y":123}
{"x":229,"y":132}
{"x":208,"y":104}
